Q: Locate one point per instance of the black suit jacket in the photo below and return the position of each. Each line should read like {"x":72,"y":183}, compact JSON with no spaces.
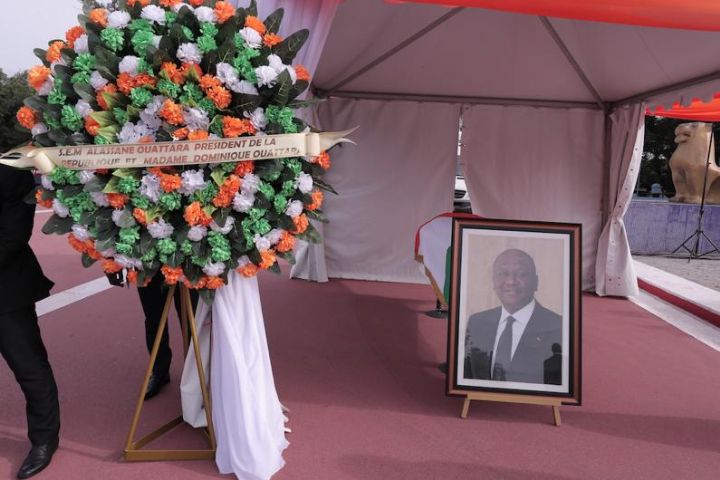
{"x":534,"y":360}
{"x":22,"y":282}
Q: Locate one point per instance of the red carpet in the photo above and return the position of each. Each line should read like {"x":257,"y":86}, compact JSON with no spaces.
{"x":356,"y":362}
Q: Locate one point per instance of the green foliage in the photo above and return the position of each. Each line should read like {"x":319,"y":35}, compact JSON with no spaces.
{"x":13,"y":91}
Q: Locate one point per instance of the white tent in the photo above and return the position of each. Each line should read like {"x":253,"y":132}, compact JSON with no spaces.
{"x":552,"y":112}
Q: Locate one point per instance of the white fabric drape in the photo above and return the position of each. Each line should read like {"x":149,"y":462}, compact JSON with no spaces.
{"x":614,"y":270}
{"x":247,"y":414}
{"x":398,"y":176}
{"x":533,"y":163}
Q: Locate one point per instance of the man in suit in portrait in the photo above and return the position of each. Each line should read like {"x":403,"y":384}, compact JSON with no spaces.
{"x":520,"y":340}
{"x":22,"y":283}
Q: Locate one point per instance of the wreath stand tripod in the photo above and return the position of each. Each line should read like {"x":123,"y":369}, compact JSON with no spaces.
{"x":694,"y":252}
{"x":133,"y":449}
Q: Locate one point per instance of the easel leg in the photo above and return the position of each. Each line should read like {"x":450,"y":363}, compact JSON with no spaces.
{"x":183,"y":318}
{"x":151,"y":364}
{"x":465,"y":408}
{"x":556,"y":415}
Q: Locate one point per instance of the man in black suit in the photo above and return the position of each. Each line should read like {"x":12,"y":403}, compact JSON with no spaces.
{"x":22,"y":283}
{"x":520,"y":340}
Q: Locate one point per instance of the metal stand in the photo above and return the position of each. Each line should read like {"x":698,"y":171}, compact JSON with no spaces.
{"x":694,"y":239}
{"x":439,"y":312}
{"x":133,"y":448}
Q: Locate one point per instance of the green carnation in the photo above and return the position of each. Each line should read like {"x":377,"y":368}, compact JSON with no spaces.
{"x":123,"y":248}
{"x":186,"y":247}
{"x":140,"y":25}
{"x":209,"y":29}
{"x":206,"y":44}
{"x":128,"y":185}
{"x":85,"y":62}
{"x":144,"y":67}
{"x":216,"y":126}
{"x":130,"y":235}
{"x":80,"y":77}
{"x":288,"y":188}
{"x":56,"y":96}
{"x":149,"y":256}
{"x":64,"y":176}
{"x":141,"y":40}
{"x":191,"y":93}
{"x":51,"y":122}
{"x":256,"y":213}
{"x":120,"y":115}
{"x":280,"y":203}
{"x":170,"y":201}
{"x":113,"y":38}
{"x":166,"y":246}
{"x":70,"y":119}
{"x":168,"y":88}
{"x":294,"y":165}
{"x":140,"y":97}
{"x":220,"y":247}
{"x":205,"y":195}
{"x":189,"y":35}
{"x":283,"y":116}
{"x":208,"y":106}
{"x":170,"y":17}
{"x":199,"y":261}
{"x":103,"y":140}
{"x":247,"y":71}
{"x":267,"y":190}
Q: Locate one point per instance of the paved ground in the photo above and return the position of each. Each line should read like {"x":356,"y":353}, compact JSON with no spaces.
{"x":705,"y":271}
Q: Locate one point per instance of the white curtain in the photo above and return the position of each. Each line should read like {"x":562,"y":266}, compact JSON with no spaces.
{"x":532,"y":163}
{"x":614,"y":270}
{"x":399,"y":175}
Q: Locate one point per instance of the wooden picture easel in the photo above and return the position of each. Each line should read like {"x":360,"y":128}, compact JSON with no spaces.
{"x":133,"y":449}
{"x":509,"y":398}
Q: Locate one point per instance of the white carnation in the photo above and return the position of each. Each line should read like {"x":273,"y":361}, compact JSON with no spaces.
{"x":189,"y":53}
{"x":85,"y":176}
{"x":276,"y":63}
{"x":205,"y":14}
{"x":242,"y":261}
{"x":150,"y":187}
{"x":153,"y":13}
{"x":196,"y":119}
{"x":293,"y":73}
{"x":46,"y":87}
{"x":81,"y":44}
{"x":56,"y":63}
{"x":83,"y":108}
{"x":294,"y":208}
{"x":60,"y":209}
{"x":252,"y":37}
{"x":129,"y":64}
{"x":160,"y":229}
{"x":266,"y":76}
{"x":227,"y":74}
{"x":129,"y":262}
{"x":156,"y":41}
{"x":214,"y":269}
{"x":97,"y":81}
{"x":257,"y":117}
{"x":80,"y":232}
{"x":46,"y":183}
{"x":118,"y":214}
{"x":275,"y":235}
{"x":262,"y":243}
{"x":179,"y":6}
{"x":244,"y":87}
{"x":192,"y":181}
{"x":100,"y":199}
{"x":250,"y":183}
{"x":39,"y":129}
{"x":197,"y":233}
{"x":229,"y":223}
{"x":118,"y":19}
{"x":127,"y":134}
{"x":104,"y":3}
{"x":243,"y":201}
{"x":109,"y":253}
{"x":305,"y":182}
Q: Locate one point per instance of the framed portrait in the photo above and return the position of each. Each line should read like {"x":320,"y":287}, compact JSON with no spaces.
{"x":515,"y":310}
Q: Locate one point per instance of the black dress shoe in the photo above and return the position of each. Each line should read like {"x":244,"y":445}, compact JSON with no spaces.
{"x":38,"y":458}
{"x":155,"y":384}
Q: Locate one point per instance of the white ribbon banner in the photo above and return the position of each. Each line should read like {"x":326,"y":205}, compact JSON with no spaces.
{"x":172,"y":154}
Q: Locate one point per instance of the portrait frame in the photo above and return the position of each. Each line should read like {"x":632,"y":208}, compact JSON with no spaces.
{"x":547,"y":355}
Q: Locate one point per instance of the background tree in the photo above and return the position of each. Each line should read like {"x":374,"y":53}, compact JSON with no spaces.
{"x":13,"y":90}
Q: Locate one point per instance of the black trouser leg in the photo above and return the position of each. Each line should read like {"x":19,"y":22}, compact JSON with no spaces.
{"x":153,"y":299}
{"x":22,"y":347}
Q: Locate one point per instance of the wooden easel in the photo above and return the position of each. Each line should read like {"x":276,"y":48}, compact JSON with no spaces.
{"x":502,"y":397}
{"x":133,"y":449}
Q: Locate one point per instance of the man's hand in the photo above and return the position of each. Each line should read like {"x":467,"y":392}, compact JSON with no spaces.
{"x":117,"y":279}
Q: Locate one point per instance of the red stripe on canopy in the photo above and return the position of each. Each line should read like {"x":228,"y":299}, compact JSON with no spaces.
{"x":685,"y":14}
{"x":697,"y":110}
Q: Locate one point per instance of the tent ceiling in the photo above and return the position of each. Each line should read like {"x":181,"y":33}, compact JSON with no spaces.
{"x":490,"y":54}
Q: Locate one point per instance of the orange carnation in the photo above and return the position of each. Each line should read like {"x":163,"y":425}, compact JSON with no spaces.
{"x":143,"y":3}
{"x":180,"y":133}
{"x":189,"y":69}
{"x":208,"y":81}
{"x":228,"y":189}
{"x":26,"y":117}
{"x":117,"y":200}
{"x":53,"y":51}
{"x":99,"y":16}
{"x":172,"y":275}
{"x":196,"y":3}
{"x":301,"y":224}
{"x":92,"y":253}
{"x":132,"y":276}
{"x":109,"y":88}
{"x":91,"y":125}
{"x":195,"y":215}
{"x":224,"y":11}
{"x":37,"y":76}
{"x":323,"y":160}
{"x":244,"y":168}
{"x":170,"y":183}
{"x":145,"y":80}
{"x":76,"y":244}
{"x":256,"y":24}
{"x":172,"y":73}
{"x":213,"y":283}
{"x":302,"y":73}
{"x":111,"y":266}
{"x":125,"y":83}
{"x":198,"y":135}
{"x":286,"y":243}
{"x":172,"y":113}
{"x":271,"y":39}
{"x":317,"y":200}
{"x":169,"y":3}
{"x":140,"y":216}
{"x":249,"y":270}
{"x":43,"y":203}
{"x":268,"y":259}
{"x":73,"y":34}
{"x":200,"y":283}
{"x":220,"y":96}
{"x":234,"y":127}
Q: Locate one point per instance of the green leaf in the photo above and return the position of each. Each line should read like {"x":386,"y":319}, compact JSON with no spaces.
{"x":324,"y":186}
{"x":43,"y":140}
{"x":103,"y":118}
{"x":69,"y":55}
{"x":40,"y":53}
{"x":310,"y":235}
{"x":252,"y":8}
{"x":87,"y":261}
{"x":272,"y":22}
{"x":112,"y":186}
{"x":126,"y":173}
{"x":218,"y":177}
{"x":284,"y":86}
{"x":290,"y":47}
{"x":295,"y":104}
{"x":85,"y":91}
{"x":126,"y":219}
{"x":221,"y":215}
{"x":37,"y":103}
{"x":317,"y":215}
{"x":107,"y":59}
{"x":207,"y":296}
{"x":58,"y":136}
{"x":298,"y":89}
{"x":58,"y":225}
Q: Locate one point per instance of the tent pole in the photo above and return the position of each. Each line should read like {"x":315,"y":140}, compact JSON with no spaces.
{"x":402,"y":45}
{"x":607,"y":160}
